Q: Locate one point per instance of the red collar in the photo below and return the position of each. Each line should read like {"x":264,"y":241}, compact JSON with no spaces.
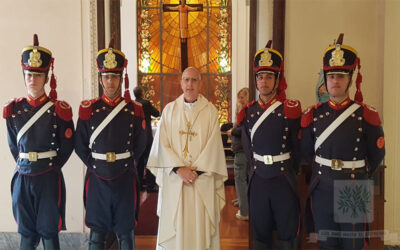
{"x":342,"y":105}
{"x":111,"y":103}
{"x":38,"y":101}
{"x":266,"y":105}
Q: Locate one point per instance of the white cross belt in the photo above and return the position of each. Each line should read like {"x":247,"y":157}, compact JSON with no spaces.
{"x":270,"y":159}
{"x":337,"y":164}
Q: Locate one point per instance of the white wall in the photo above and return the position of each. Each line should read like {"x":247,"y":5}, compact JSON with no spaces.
{"x":59,"y":25}
{"x":240,"y":48}
{"x":128,"y":39}
{"x":391,"y":109}
{"x":264,"y":22}
{"x":311,"y":25}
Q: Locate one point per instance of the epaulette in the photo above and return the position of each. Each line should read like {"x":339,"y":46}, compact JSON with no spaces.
{"x":308,"y":115}
{"x":292,"y":109}
{"x":63,"y":110}
{"x":8,"y":108}
{"x":242,"y":114}
{"x":371,"y":115}
{"x":85,"y":109}
{"x":138,"y":109}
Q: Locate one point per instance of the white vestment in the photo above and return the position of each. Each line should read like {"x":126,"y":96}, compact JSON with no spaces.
{"x":189,"y":215}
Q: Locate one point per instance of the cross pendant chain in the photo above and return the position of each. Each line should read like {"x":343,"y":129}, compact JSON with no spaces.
{"x":188,"y":133}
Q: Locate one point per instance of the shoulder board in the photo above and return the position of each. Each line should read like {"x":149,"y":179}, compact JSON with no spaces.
{"x":94,"y":100}
{"x":138,"y":109}
{"x":308,"y":115}
{"x":20,"y":99}
{"x":85,"y":109}
{"x":63,"y":110}
{"x":250,"y":104}
{"x":371,"y":115}
{"x":292,"y":109}
{"x":8,"y":108}
{"x":242,"y":114}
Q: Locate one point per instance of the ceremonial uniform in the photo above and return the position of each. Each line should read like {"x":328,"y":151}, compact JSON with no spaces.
{"x":270,"y":140}
{"x":110,"y":136}
{"x":342,"y":142}
{"x":40,"y":137}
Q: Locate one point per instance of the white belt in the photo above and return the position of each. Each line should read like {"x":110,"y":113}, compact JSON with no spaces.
{"x":270,"y":159}
{"x":111,"y":156}
{"x":34,"y":156}
{"x":337,"y":164}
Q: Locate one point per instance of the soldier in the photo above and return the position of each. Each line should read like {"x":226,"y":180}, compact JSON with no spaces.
{"x":40,"y":136}
{"x":343,"y":141}
{"x":270,"y":129}
{"x":110,"y":136}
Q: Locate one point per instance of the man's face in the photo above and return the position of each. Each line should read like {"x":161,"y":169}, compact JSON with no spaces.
{"x":338,"y":84}
{"x":265,"y":82}
{"x":111,"y":84}
{"x":35,"y":82}
{"x":190,"y":84}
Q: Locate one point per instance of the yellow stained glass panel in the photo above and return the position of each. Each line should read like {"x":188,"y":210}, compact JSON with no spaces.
{"x":208,"y":49}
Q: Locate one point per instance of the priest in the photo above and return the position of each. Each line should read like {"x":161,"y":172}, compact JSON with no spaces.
{"x":188,"y":160}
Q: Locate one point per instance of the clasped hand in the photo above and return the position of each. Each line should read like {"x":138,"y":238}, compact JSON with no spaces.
{"x":187,"y":174}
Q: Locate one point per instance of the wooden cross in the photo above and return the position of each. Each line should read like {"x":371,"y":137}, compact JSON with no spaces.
{"x":188,"y":133}
{"x":183,"y":10}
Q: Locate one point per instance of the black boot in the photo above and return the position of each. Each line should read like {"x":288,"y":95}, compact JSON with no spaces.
{"x":51,"y":244}
{"x":97,"y":240}
{"x":258,"y":245}
{"x":126,"y":241}
{"x":296,"y":243}
{"x":285,"y":245}
{"x":29,"y":243}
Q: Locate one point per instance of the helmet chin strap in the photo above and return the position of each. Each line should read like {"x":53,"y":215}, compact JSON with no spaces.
{"x":274,"y":88}
{"x":117,"y":91}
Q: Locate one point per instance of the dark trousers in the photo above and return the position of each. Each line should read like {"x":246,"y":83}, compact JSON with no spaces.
{"x":141,"y":167}
{"x":38,"y":204}
{"x":111,"y":204}
{"x":273,"y":204}
{"x":325,"y":225}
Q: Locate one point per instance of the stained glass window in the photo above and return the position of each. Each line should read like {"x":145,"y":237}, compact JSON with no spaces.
{"x":208,"y":43}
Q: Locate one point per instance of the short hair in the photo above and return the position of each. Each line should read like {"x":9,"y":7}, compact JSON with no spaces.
{"x":138,"y":91}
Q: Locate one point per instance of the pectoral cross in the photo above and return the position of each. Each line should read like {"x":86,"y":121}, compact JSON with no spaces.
{"x":183,"y":10}
{"x":188,"y":133}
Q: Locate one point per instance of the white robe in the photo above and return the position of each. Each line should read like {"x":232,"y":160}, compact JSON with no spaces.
{"x":189,"y":215}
